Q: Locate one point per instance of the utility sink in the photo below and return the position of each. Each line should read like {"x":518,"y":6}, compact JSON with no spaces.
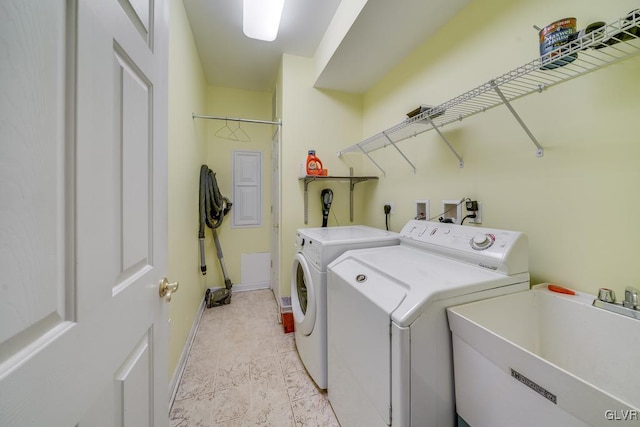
{"x":541,"y":358}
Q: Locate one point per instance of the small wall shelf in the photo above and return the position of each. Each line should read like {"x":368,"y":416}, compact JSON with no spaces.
{"x":614,"y":42}
{"x":353,"y":180}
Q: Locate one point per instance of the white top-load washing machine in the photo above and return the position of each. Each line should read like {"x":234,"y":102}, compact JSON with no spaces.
{"x":390,"y":359}
{"x":315,"y":249}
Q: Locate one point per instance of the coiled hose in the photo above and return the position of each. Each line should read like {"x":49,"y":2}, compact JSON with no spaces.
{"x":213,"y":208}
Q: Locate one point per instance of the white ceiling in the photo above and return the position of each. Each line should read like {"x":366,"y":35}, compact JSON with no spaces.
{"x":382,"y":34}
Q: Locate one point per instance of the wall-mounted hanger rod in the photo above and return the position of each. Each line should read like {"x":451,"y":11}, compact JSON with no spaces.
{"x":236,"y":119}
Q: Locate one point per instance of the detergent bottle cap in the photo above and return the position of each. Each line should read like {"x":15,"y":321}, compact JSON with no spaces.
{"x":312,"y":152}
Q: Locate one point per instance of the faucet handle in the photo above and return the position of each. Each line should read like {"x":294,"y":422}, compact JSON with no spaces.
{"x":606,"y":295}
{"x":630,"y":298}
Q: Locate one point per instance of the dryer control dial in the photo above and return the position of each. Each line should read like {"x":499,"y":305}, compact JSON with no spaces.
{"x":481,"y":242}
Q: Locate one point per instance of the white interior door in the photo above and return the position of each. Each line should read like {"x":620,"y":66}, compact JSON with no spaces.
{"x":275,"y":214}
{"x":83,"y":194}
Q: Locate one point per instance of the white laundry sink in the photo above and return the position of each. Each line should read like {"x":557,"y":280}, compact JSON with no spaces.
{"x":542,"y":358}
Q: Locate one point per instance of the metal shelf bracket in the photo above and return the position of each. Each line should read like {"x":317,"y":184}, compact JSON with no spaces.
{"x":540,"y":150}
{"x":399,"y":151}
{"x":373,"y":161}
{"x":353,"y":180}
{"x":446,"y":141}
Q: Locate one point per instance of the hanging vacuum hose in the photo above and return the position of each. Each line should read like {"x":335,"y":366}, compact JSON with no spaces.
{"x":213,"y":208}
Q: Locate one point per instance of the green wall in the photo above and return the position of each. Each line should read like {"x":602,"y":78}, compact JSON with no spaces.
{"x":187,"y":94}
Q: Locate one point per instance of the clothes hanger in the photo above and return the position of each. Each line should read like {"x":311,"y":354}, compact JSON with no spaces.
{"x":241,"y":135}
{"x":226,"y":132}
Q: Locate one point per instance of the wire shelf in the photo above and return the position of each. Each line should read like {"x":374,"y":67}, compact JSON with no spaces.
{"x":607,"y":45}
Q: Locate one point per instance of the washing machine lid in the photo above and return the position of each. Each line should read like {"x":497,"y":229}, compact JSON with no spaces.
{"x":413,"y":279}
{"x":347,"y":234}
{"x":322,"y":245}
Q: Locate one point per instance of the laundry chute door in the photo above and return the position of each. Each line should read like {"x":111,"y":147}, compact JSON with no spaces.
{"x":83,"y":201}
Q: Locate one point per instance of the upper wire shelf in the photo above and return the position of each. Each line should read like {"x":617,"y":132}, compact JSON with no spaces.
{"x":607,"y":45}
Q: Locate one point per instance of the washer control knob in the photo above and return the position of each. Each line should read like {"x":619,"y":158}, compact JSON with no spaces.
{"x":480,"y":242}
{"x":480,"y":239}
{"x":300,"y":241}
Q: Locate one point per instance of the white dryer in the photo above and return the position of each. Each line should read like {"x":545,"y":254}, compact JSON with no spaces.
{"x":315,"y":249}
{"x":389,"y":346}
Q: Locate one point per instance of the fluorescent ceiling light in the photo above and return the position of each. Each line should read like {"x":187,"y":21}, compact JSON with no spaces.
{"x":261,"y":18}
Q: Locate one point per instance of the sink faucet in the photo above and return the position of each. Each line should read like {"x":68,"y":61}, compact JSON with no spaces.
{"x":629,"y":307}
{"x":630,"y":298}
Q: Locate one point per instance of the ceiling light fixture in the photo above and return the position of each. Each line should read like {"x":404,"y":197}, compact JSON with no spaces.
{"x":261,"y":19}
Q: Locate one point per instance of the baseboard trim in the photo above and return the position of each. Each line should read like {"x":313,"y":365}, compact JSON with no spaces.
{"x":251,"y":286}
{"x":177,"y":375}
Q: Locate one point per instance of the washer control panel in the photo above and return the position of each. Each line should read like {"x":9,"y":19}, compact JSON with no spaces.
{"x":310,"y":248}
{"x":485,"y":247}
{"x":457,"y":236}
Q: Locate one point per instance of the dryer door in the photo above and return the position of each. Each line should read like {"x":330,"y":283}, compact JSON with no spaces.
{"x":303,"y":296}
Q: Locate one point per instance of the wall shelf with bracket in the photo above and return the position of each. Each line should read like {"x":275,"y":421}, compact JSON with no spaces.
{"x":353,"y":180}
{"x":609,"y":44}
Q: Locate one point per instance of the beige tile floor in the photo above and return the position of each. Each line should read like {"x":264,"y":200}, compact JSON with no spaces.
{"x":243,"y":370}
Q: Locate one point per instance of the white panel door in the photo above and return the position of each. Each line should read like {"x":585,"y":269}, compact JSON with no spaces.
{"x":83,"y":195}
{"x":247,"y":189}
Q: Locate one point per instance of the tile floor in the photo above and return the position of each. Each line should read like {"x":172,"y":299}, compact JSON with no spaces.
{"x":243,"y":370}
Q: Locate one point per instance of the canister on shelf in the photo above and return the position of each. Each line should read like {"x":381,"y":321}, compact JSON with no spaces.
{"x":554,"y":36}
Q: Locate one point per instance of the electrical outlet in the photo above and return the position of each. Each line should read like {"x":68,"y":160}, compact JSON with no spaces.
{"x":478,"y":218}
{"x":391,"y":205}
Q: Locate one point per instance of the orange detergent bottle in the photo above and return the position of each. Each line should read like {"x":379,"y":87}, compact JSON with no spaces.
{"x":314,"y":165}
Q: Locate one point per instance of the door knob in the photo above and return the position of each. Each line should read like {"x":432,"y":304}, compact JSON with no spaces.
{"x":168,"y":289}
